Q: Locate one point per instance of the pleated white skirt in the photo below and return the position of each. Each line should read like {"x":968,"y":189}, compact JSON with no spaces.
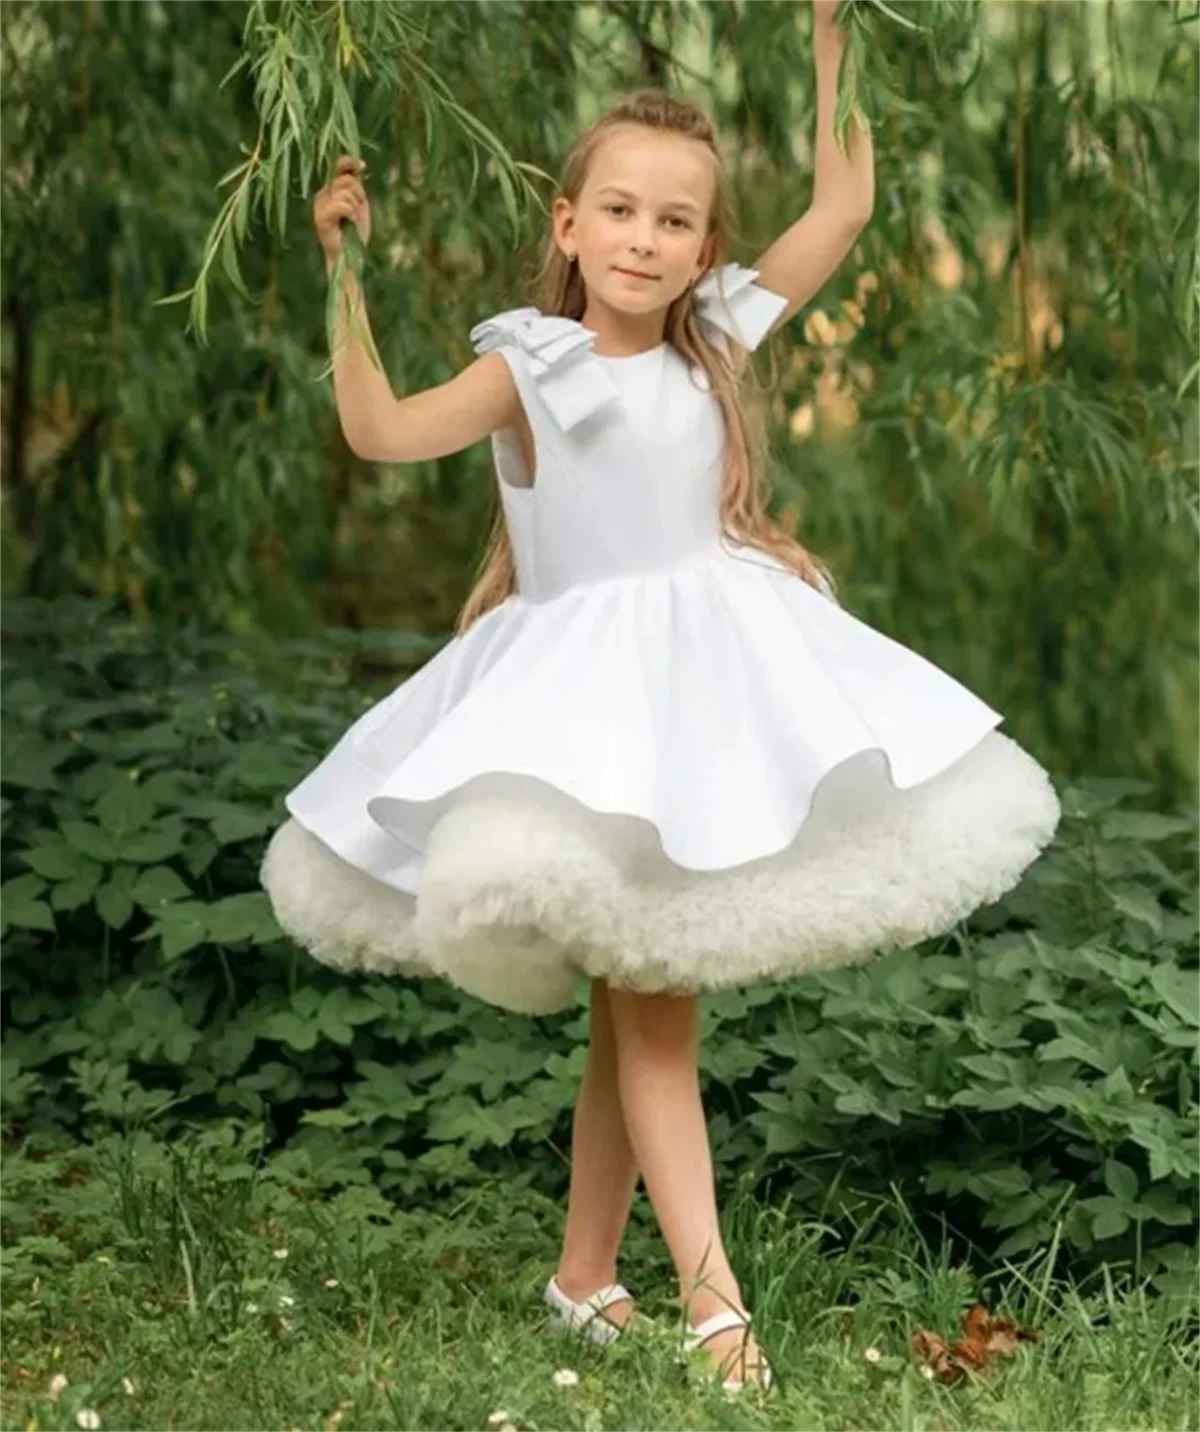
{"x":681,"y":781}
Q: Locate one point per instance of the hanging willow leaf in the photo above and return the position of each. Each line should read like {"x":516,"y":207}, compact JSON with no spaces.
{"x":891,"y":14}
{"x":229,"y":262}
{"x":281,"y":190}
{"x":286,"y":42}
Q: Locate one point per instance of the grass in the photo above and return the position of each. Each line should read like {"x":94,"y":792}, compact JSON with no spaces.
{"x":173,"y":1286}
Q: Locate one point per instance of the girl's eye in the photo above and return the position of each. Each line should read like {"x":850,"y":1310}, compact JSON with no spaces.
{"x":675,"y":219}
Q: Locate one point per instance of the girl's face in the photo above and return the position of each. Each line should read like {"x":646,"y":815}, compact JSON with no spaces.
{"x":639,"y":226}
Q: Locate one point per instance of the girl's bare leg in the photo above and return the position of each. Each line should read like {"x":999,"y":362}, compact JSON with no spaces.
{"x":658,"y":1044}
{"x":604,"y":1172}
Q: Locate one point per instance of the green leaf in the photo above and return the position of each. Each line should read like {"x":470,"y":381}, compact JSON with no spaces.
{"x":229,"y":262}
{"x":179,"y":1043}
{"x":22,"y":887}
{"x":181,"y":927}
{"x":1179,"y":990}
{"x":1159,"y":1204}
{"x":199,"y":309}
{"x":474,"y":1124}
{"x":330,"y":1119}
{"x":333,"y":1026}
{"x":1109,"y":1219}
{"x":199,"y":853}
{"x":987,"y":1066}
{"x":894,"y":15}
{"x":71,"y":894}
{"x":54,"y":858}
{"x":231,"y":824}
{"x":31,"y":763}
{"x":1143,"y":825}
{"x":123,"y":808}
{"x":114,"y":900}
{"x":242,"y":919}
{"x":1161,"y":1161}
{"x":1004,"y":1214}
{"x":89,"y":840}
{"x":1007,"y":1182}
{"x":1121,"y":1181}
{"x":282,"y":188}
{"x":289,"y":1029}
{"x":241,"y":212}
{"x":20,"y":906}
{"x":150,"y":847}
{"x":1138,"y":904}
{"x":159,"y":886}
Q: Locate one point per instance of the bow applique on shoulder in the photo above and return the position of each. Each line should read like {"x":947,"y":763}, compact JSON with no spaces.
{"x":558,"y":353}
{"x":728,"y":301}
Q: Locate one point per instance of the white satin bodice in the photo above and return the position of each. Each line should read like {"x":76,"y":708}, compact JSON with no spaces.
{"x":629,"y":450}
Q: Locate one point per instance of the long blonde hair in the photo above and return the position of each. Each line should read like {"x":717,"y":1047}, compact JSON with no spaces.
{"x":559,"y":291}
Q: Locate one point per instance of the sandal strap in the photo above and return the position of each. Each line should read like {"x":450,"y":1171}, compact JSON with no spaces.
{"x":583,"y":1312}
{"x":718,"y":1323}
{"x":605,"y":1297}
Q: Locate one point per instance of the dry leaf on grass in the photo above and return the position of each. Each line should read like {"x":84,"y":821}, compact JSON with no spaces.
{"x":983,"y":1338}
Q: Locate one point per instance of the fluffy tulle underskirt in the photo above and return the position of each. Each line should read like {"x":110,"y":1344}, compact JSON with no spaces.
{"x":521,"y":891}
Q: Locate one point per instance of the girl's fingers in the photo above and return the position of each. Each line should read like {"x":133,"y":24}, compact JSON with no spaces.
{"x":336,"y":209}
{"x":349,"y":185}
{"x":344,"y":198}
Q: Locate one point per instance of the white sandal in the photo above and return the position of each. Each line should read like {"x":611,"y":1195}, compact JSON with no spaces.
{"x":570,"y":1316}
{"x":719,"y":1323}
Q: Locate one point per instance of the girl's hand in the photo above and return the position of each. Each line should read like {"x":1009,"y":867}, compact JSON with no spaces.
{"x":344,"y":198}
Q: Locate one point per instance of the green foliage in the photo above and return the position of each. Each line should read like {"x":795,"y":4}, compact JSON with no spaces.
{"x":1032,"y":1078}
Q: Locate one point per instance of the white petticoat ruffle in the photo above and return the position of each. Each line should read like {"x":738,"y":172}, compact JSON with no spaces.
{"x":683,"y":781}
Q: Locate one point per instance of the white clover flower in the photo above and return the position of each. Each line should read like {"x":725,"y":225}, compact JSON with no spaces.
{"x":566,"y":1377}
{"x":57,"y":1383}
{"x":281,"y":1252}
{"x":872,"y":1354}
{"x":286,"y":1301}
{"x":496,"y":1419}
{"x":926,"y":1370}
{"x":128,"y":1384}
{"x":87,"y":1417}
{"x":332,"y":1283}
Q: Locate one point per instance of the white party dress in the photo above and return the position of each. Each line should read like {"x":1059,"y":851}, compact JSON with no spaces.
{"x":666,"y":760}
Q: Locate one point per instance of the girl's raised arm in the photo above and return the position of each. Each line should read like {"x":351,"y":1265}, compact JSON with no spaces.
{"x":805,"y":256}
{"x":376,"y":424}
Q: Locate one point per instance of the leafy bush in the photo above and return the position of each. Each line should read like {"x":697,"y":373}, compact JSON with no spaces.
{"x":1029,"y":1078}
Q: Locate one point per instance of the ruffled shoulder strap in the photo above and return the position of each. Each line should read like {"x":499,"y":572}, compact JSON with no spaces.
{"x":728,"y":301}
{"x":558,"y":354}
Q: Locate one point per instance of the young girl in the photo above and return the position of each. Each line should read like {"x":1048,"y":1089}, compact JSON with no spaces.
{"x":658,"y":754}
